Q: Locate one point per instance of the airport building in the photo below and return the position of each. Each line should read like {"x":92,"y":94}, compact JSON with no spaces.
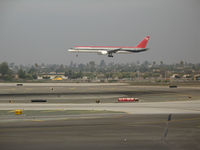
{"x":56,"y":76}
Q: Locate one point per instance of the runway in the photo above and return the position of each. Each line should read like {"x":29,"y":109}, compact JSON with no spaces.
{"x":180,"y":107}
{"x":117,"y":126}
{"x":123,"y":132}
{"x":90,"y":92}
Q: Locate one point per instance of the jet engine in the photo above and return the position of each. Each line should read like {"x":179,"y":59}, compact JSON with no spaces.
{"x":102,"y":52}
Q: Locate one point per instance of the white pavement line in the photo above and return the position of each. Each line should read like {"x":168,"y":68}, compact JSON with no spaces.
{"x":132,"y":108}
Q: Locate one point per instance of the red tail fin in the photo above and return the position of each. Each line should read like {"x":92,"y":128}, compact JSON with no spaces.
{"x":143,"y":43}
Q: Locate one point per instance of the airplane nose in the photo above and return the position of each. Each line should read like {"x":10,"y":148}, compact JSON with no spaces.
{"x":70,"y":50}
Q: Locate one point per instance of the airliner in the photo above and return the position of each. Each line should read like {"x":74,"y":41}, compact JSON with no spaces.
{"x":110,"y":50}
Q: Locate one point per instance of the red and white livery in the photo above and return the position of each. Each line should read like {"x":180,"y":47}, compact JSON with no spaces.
{"x":110,"y":50}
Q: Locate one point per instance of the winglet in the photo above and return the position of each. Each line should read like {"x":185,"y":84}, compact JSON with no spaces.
{"x":143,"y":43}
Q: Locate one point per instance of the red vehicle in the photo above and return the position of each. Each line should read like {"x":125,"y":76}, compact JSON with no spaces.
{"x":128,"y":99}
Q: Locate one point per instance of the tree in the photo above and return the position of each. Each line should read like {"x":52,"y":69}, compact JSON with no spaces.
{"x":102,"y":64}
{"x":36,"y":65}
{"x":32,"y":70}
{"x":34,"y":76}
{"x":92,"y":66}
{"x":4,"y":68}
{"x":22,"y":74}
{"x":61,"y":68}
{"x":181,"y":63}
{"x":6,"y":73}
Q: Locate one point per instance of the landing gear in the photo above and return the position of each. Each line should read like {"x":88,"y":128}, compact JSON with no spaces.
{"x":110,"y":55}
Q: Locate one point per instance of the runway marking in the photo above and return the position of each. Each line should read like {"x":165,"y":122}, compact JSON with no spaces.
{"x":186,"y":119}
{"x":164,"y":121}
{"x":36,"y":120}
{"x":113,"y":88}
{"x":72,"y":88}
{"x":28,"y":89}
{"x":91,"y":117}
{"x":11,"y":89}
{"x":183,"y":95}
{"x":12,"y":111}
{"x":53,"y":110}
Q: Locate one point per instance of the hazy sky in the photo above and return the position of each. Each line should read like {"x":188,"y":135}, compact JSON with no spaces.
{"x":42,"y":30}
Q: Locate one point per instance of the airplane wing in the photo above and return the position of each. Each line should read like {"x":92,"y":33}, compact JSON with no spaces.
{"x":110,"y":52}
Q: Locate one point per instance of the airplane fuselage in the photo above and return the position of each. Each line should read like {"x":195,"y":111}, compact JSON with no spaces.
{"x":109,"y":50}
{"x":100,"y":49}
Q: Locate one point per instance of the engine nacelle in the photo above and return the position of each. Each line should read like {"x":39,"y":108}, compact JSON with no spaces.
{"x":102,"y":52}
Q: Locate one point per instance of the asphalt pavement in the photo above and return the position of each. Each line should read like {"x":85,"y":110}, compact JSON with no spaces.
{"x":69,"y":118}
{"x":123,"y":132}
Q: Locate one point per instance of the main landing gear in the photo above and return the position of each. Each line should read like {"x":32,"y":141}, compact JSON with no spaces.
{"x":110,"y":55}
